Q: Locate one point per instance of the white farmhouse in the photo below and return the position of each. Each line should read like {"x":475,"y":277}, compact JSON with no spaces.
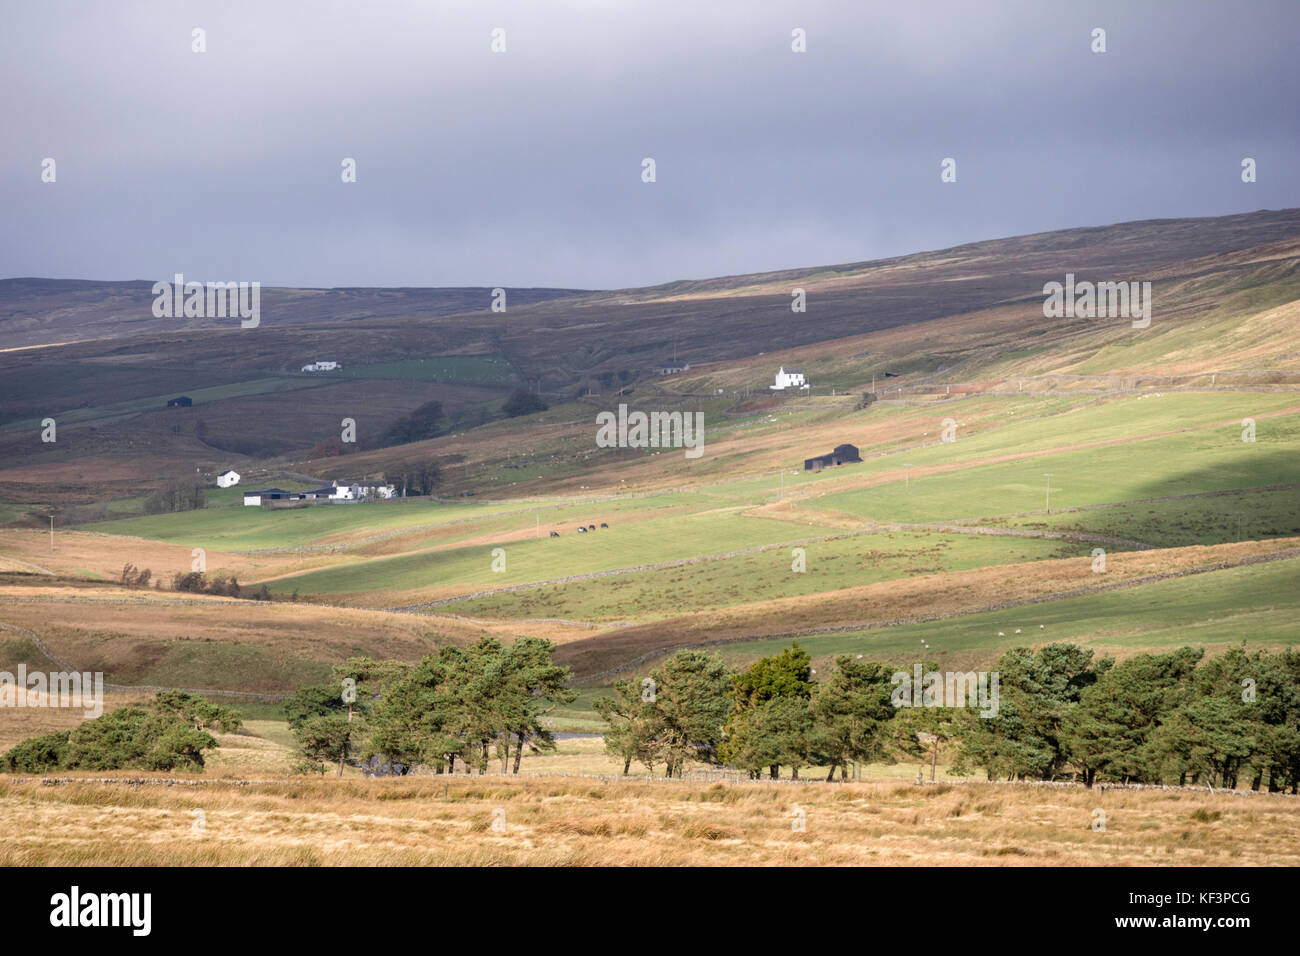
{"x":352,"y":491}
{"x":321,"y":366}
{"x":227,"y":479}
{"x":788,"y":379}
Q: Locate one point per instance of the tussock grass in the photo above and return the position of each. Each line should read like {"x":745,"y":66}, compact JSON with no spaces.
{"x":566,"y":822}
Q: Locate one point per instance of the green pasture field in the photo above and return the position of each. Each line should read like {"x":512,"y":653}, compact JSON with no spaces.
{"x":240,"y":528}
{"x":645,"y":542}
{"x":830,"y":566}
{"x":1258,"y":605}
{"x":1212,"y":460}
{"x":1236,"y":516}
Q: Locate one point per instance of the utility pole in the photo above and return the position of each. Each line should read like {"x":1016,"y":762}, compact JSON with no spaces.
{"x":908,"y":475}
{"x":52,"y":534}
{"x":1048,"y":475}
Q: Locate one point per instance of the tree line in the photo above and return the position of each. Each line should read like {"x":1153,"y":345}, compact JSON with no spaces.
{"x":1171,"y":718}
{"x":1061,"y":714}
{"x":458,"y":707}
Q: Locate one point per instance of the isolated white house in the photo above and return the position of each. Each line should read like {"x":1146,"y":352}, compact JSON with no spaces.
{"x":227,"y":478}
{"x":321,"y":366}
{"x":788,"y":379}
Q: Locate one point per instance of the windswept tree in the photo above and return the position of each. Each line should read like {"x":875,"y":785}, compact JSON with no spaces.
{"x":775,"y":733}
{"x":691,"y":707}
{"x":1111,"y":732}
{"x":786,"y":676}
{"x":465,"y":703}
{"x":852,"y":713}
{"x":631,"y":723}
{"x":417,"y":721}
{"x":1037,"y":691}
{"x":1213,"y":732}
{"x":198,"y":711}
{"x":331,"y":721}
{"x":1276,"y":693}
{"x":534,"y":687}
{"x":144,"y":738}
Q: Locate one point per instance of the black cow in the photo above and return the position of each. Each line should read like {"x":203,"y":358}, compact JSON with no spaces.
{"x":555,"y":534}
{"x":591,"y":527}
{"x":581,"y":530}
{"x":603,"y":525}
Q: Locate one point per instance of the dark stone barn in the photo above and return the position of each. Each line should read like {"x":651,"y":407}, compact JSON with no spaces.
{"x":843,"y":454}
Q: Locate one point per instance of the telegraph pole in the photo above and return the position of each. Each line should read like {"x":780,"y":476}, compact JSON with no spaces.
{"x":1048,"y":475}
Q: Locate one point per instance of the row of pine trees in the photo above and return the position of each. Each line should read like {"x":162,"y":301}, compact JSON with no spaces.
{"x":1171,"y":718}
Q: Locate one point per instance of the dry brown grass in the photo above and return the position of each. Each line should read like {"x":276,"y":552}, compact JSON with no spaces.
{"x":127,"y":632}
{"x":572,"y":821}
{"x":19,"y":723}
{"x":87,"y":554}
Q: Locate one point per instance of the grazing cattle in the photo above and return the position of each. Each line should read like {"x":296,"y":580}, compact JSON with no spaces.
{"x":555,"y":534}
{"x":591,"y":527}
{"x":581,"y":530}
{"x":603,"y":525}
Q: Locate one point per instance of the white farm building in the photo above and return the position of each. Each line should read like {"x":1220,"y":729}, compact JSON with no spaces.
{"x":227,"y":479}
{"x":788,"y":379}
{"x":330,"y":494}
{"x":321,"y":366}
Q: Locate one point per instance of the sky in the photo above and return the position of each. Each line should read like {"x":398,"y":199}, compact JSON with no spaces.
{"x":524,"y":167}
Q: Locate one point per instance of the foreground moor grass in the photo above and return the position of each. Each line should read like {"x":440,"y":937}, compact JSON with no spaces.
{"x":552,"y":821}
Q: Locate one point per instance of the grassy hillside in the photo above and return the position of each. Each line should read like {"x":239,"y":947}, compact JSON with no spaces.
{"x":948,"y":542}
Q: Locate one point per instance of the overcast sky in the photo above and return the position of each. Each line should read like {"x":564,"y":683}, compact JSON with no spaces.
{"x":524,"y":167}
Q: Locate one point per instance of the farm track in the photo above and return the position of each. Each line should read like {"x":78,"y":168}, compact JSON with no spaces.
{"x":34,"y":567}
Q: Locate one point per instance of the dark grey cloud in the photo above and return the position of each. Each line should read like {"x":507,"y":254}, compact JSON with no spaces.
{"x":524,"y":168}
